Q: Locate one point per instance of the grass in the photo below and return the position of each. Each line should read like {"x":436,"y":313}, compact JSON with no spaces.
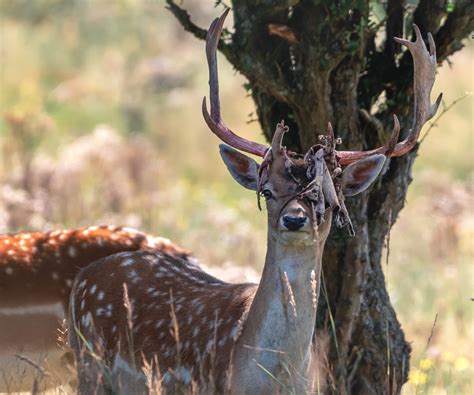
{"x":69,"y":67}
{"x":429,"y":275}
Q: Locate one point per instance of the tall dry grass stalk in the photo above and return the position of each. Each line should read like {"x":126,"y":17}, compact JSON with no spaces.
{"x":129,"y":330}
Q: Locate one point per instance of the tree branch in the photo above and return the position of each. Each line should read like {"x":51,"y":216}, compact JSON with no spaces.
{"x":434,"y":123}
{"x":185,"y":20}
{"x":429,"y":14}
{"x":458,"y":26}
{"x":249,"y":66}
{"x":394,"y":26}
{"x":259,"y":74}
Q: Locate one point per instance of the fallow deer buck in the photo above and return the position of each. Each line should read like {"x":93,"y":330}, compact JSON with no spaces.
{"x":132,"y":312}
{"x":37,"y":270}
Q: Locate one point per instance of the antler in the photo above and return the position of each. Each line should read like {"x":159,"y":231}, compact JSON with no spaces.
{"x":214,"y":121}
{"x":424,"y":64}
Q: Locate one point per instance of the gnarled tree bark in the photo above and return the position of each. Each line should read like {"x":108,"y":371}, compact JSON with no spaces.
{"x":313,"y":61}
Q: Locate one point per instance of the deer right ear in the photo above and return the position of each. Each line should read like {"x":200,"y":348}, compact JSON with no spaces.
{"x":243,"y":168}
{"x":358,"y":176}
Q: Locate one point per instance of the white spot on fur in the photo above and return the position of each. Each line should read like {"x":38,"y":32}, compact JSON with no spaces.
{"x":130,"y":230}
{"x":235,"y":332}
{"x":121,"y":367}
{"x":72,"y":252}
{"x":127,"y":262}
{"x":108,"y":310}
{"x":183,"y":375}
{"x":222,"y":341}
{"x":186,"y":345}
{"x":86,"y":320}
{"x":209,"y":346}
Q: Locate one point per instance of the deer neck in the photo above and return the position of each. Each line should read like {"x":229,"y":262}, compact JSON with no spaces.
{"x":277,"y":334}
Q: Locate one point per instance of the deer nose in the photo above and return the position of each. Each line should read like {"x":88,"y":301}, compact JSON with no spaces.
{"x":293,"y":223}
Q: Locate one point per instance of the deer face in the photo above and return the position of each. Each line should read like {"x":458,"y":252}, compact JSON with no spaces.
{"x":290,"y":217}
{"x":300,"y":192}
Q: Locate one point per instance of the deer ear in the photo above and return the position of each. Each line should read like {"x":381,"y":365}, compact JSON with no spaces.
{"x":358,"y":176}
{"x":241,"y":167}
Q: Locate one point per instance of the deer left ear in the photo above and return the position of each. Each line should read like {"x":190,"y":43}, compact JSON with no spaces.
{"x":243,"y":168}
{"x":358,"y":176}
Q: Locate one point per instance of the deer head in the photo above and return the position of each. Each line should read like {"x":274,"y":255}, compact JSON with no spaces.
{"x":300,"y":193}
{"x":300,"y":190}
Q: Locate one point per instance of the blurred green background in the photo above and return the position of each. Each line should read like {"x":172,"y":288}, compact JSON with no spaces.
{"x":100,"y":124}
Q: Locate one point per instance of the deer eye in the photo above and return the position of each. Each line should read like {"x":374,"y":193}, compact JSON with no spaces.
{"x":267,"y":194}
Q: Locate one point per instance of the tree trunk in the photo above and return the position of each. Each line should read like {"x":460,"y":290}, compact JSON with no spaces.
{"x":310,"y":62}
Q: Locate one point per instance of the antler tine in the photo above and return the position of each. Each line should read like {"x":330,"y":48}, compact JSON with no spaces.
{"x":424,"y":64}
{"x":214,"y":121}
{"x":330,"y":131}
{"x":392,"y":141}
{"x":277,"y":139}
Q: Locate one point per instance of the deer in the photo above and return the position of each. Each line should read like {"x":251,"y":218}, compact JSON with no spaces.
{"x":145,"y":319}
{"x":37,"y":270}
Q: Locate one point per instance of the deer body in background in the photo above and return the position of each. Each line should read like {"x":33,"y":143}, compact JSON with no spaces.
{"x":37,"y":270}
{"x":140,"y":316}
{"x":39,"y":267}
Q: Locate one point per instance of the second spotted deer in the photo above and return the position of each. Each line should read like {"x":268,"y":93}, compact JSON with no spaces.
{"x":37,"y":270}
{"x":142,"y":319}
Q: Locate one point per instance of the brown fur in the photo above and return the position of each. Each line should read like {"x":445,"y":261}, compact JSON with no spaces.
{"x":39,"y":267}
{"x":159,"y":286}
